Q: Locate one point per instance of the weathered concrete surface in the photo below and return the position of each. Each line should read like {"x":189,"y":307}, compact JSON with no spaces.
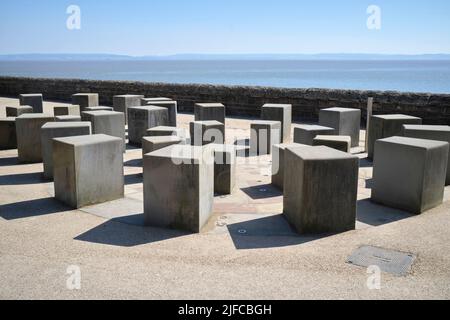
{"x":346,"y":121}
{"x":166,"y":131}
{"x":385,"y":126}
{"x":150,"y":144}
{"x":28,"y":130}
{"x":263,"y":135}
{"x":69,"y":110}
{"x":121,"y":103}
{"x":59,"y":130}
{"x":106,"y":122}
{"x":278,"y":162}
{"x":88,"y":169}
{"x":140,"y":119}
{"x":341,"y":143}
{"x":282,"y":113}
{"x":205,"y":132}
{"x":209,"y":112}
{"x":224,"y":168}
{"x":67,"y":118}
{"x":149,"y":101}
{"x":409,"y":174}
{"x":85,"y":100}
{"x":439,"y":133}
{"x":172,"y":108}
{"x":17,"y":111}
{"x":312,"y":177}
{"x":8,"y":138}
{"x":179,"y":187}
{"x":306,"y":133}
{"x":35,"y":100}
{"x":99,"y":108}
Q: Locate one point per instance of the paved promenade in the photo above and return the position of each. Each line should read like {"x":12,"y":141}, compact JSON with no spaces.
{"x":247,"y":251}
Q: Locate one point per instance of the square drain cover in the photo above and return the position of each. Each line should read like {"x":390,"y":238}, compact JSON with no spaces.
{"x":389,"y":261}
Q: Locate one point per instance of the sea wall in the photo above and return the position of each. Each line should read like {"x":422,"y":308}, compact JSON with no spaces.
{"x":241,"y":100}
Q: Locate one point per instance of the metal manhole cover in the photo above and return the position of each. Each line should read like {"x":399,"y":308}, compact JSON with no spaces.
{"x":389,"y":261}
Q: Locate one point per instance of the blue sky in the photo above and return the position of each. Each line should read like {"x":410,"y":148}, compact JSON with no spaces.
{"x":158,"y":27}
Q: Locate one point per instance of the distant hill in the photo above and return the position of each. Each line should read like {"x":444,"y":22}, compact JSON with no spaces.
{"x":112,"y":57}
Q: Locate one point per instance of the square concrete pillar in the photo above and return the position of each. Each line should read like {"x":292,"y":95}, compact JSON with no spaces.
{"x":438,"y":133}
{"x":149,"y":101}
{"x":346,"y":121}
{"x":85,"y":100}
{"x":68,"y":118}
{"x":179,"y":187}
{"x":282,"y":113}
{"x":320,"y":189}
{"x":263,"y":135}
{"x":409,"y":174}
{"x":52,"y":130}
{"x":209,"y":112}
{"x":111,"y":123}
{"x":341,"y":143}
{"x":150,"y":144}
{"x":99,"y":108}
{"x":166,"y":131}
{"x":72,"y":110}
{"x":306,"y":133}
{"x":121,"y":103}
{"x":385,"y":126}
{"x":18,"y":111}
{"x":88,"y":169}
{"x":28,"y":129}
{"x":278,"y":162}
{"x":172,"y":108}
{"x":34,"y":100}
{"x":8,"y":140}
{"x":224,"y":168}
{"x":140,"y":119}
{"x":205,"y":132}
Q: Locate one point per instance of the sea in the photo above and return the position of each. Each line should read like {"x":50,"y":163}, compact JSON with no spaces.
{"x":408,"y":76}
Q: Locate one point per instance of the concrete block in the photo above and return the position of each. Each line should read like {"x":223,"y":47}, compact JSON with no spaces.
{"x":205,"y":132}
{"x":320,"y":189}
{"x":209,"y":112}
{"x":166,"y":131}
{"x":67,"y":118}
{"x":224,"y":168}
{"x":385,"y":126}
{"x":438,"y":133}
{"x":99,"y":108}
{"x":341,"y":143}
{"x":282,"y":113}
{"x":85,"y":100}
{"x":149,"y":101}
{"x":28,"y":129}
{"x":179,"y":187}
{"x":150,"y":144}
{"x":121,"y":103}
{"x":263,"y":135}
{"x":111,"y":123}
{"x":8,"y":140}
{"x":18,"y":111}
{"x":140,"y":119}
{"x":305,"y":134}
{"x":88,"y":169}
{"x":346,"y":121}
{"x":72,"y":110}
{"x":52,"y":130}
{"x":278,"y":163}
{"x":409,"y":173}
{"x":35,"y":100}
{"x":172,"y":108}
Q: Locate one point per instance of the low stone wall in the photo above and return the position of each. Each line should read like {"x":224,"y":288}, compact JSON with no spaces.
{"x":241,"y":100}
